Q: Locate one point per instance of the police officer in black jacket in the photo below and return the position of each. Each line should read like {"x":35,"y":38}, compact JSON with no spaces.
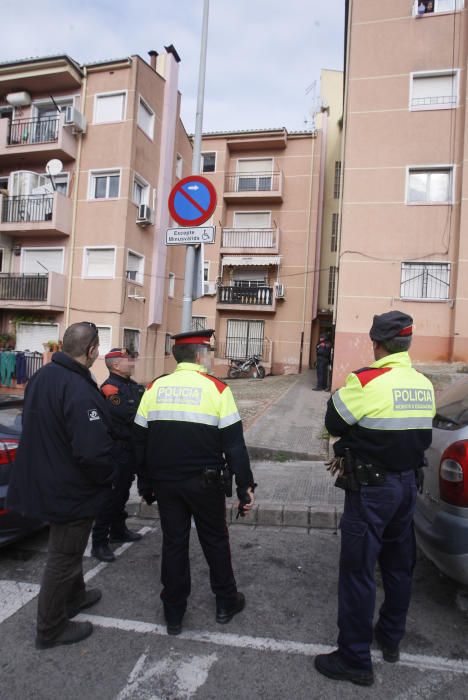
{"x":123,"y":396}
{"x":63,"y":474}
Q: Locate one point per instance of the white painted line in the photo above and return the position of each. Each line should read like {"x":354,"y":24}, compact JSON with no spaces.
{"x":422,"y":663}
{"x":15,"y":594}
{"x":120,"y":550}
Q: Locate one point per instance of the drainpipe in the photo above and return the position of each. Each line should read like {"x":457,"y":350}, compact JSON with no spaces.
{"x":71,"y":247}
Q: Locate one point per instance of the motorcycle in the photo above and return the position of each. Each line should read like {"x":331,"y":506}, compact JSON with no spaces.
{"x":245,"y":367}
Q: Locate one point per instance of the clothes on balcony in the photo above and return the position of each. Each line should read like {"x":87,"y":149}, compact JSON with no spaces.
{"x":7,"y":367}
{"x":20,"y":369}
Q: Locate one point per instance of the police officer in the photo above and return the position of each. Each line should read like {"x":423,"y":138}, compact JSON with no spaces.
{"x":123,"y":396}
{"x":323,"y":353}
{"x":187,"y":430}
{"x":383,"y":416}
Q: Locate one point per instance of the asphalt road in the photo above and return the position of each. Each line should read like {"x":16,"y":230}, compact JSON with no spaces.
{"x":289,"y":578}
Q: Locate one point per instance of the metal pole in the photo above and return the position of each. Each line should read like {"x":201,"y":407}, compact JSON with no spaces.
{"x":197,"y":141}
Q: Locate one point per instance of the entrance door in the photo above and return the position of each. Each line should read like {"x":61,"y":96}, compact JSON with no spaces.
{"x":244,"y":338}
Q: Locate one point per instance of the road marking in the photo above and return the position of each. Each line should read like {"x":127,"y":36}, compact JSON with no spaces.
{"x":15,"y":594}
{"x":120,"y":550}
{"x":418,"y":661}
{"x":175,"y":676}
{"x":429,"y":687}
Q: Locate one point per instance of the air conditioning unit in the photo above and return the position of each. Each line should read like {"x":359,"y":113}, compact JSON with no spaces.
{"x":280,"y":291}
{"x":145,"y":215}
{"x":209,"y":288}
{"x":75,"y":119}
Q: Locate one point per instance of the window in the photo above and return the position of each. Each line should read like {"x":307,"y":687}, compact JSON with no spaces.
{"x":246,"y":277}
{"x":32,"y":336}
{"x":99,"y":262}
{"x":105,"y":339}
{"x":168,"y":344}
{"x":140,"y":193}
{"x":252,"y":219}
{"x":41,"y":260}
{"x":1,"y":259}
{"x":109,"y":108}
{"x":198,"y":323}
{"x":428,"y":7}
{"x":438,"y":90}
{"x":131,"y":339}
{"x":104,"y":184}
{"x":255,"y":175}
{"x":334,"y":233}
{"x":244,"y":338}
{"x":145,"y":118}
{"x":425,"y":280}
{"x":171,"y":286}
{"x":179,"y":166}
{"x":432,"y":185}
{"x":135,"y":267}
{"x":208,"y":162}
{"x":337,"y":180}
{"x":61,"y":183}
{"x":332,"y":284}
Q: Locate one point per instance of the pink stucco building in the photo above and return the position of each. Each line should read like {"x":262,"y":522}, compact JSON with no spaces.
{"x":404,"y":215}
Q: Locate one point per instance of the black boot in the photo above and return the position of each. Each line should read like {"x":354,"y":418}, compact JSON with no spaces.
{"x":92,"y":596}
{"x":73,"y":632}
{"x":226,"y":609}
{"x":103,"y":552}
{"x":333,"y":666}
{"x":390,"y":653}
{"x":125,"y":535}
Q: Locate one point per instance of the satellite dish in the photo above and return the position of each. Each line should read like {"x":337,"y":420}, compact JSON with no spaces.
{"x":54,"y":166}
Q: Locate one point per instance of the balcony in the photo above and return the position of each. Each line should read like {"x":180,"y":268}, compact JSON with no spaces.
{"x":246,"y":298}
{"x":33,"y":291}
{"x":243,"y":240}
{"x":35,"y":140}
{"x":48,"y":214}
{"x":254,"y":187}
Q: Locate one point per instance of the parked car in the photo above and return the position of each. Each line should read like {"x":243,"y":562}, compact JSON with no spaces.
{"x":441,"y":518}
{"x":12,"y":525}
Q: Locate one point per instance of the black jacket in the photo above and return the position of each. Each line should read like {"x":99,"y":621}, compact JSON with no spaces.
{"x":63,"y":468}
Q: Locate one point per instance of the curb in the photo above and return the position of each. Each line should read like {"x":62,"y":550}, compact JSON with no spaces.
{"x":278,"y":455}
{"x":270,"y":514}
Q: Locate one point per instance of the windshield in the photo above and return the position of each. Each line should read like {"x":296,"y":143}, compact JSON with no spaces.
{"x":452,"y":405}
{"x":10,"y":419}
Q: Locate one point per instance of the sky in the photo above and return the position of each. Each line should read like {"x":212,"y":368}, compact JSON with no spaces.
{"x":263,"y":62}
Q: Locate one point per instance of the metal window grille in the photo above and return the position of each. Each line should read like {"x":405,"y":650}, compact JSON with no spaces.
{"x":244,"y":338}
{"x":332,"y":284}
{"x":425,"y":280}
{"x":337,"y":181}
{"x":334,"y":233}
{"x":198,"y":323}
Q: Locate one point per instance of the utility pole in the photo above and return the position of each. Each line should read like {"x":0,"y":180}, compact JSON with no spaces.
{"x":197,"y":139}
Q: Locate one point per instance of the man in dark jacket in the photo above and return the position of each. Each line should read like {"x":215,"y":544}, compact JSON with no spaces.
{"x":123,"y":396}
{"x":323,"y":352}
{"x":63,"y":475}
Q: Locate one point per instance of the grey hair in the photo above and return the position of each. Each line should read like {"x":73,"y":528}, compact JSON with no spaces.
{"x":396,"y":344}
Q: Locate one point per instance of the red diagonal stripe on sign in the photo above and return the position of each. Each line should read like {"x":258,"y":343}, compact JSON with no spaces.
{"x":192,"y":201}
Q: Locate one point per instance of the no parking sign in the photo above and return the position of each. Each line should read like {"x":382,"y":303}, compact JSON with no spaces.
{"x":192,"y":201}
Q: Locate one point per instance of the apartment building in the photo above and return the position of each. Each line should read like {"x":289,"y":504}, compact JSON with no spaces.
{"x":405,"y":189}
{"x":260,"y":274}
{"x":88,"y":155}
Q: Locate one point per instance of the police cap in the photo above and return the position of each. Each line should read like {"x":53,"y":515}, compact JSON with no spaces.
{"x":193,"y":337}
{"x":391,"y":324}
{"x":117,"y":353}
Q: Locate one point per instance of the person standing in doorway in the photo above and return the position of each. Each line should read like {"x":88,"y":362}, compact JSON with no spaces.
{"x":323,"y":352}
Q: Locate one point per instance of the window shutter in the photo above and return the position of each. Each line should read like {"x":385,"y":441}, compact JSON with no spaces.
{"x":259,"y":219}
{"x":105,"y":338}
{"x":434,"y":89}
{"x":100,"y":262}
{"x":51,"y":260}
{"x":263,"y":165}
{"x":145,"y":118}
{"x":32,"y":336}
{"x":109,"y":108}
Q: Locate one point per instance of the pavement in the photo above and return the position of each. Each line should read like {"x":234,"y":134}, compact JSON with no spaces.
{"x":284,"y":432}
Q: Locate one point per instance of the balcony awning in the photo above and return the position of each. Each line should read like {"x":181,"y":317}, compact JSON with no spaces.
{"x":250,"y":260}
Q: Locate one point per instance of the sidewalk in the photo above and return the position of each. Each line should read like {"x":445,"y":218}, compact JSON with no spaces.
{"x":283,"y":422}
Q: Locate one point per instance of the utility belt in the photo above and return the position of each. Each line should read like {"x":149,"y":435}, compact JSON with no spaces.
{"x":221,"y":477}
{"x":352,"y":474}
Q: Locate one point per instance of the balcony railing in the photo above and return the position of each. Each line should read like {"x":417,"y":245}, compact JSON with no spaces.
{"x":36,"y":207}
{"x":249,"y":238}
{"x":246,"y":296}
{"x":17,"y":287}
{"x":253,"y":182}
{"x":30,"y":131}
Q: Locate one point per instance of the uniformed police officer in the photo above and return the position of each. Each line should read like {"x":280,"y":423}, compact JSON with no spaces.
{"x":123,"y":395}
{"x":323,"y":351}
{"x":383,"y":416}
{"x":188,"y":428}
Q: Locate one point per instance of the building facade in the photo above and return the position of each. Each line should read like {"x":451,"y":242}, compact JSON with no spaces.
{"x":260,"y":274}
{"x":405,"y":189}
{"x":88,"y":155}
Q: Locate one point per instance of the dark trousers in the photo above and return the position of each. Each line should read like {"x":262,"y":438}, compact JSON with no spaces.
{"x":111,"y":519}
{"x":322,"y":372}
{"x":62,"y":581}
{"x":377,"y":526}
{"x":178,"y":501}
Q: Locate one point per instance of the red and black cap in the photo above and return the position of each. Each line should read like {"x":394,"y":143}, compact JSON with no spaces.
{"x":193,"y":337}
{"x":117,"y":353}
{"x":392,"y":324}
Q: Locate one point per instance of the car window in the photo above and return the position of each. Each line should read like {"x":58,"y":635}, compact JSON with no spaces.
{"x":11,"y":419}
{"x":452,"y":406}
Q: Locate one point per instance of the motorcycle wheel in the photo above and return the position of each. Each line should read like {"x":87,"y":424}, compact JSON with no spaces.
{"x":233,"y":372}
{"x":260,"y":372}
